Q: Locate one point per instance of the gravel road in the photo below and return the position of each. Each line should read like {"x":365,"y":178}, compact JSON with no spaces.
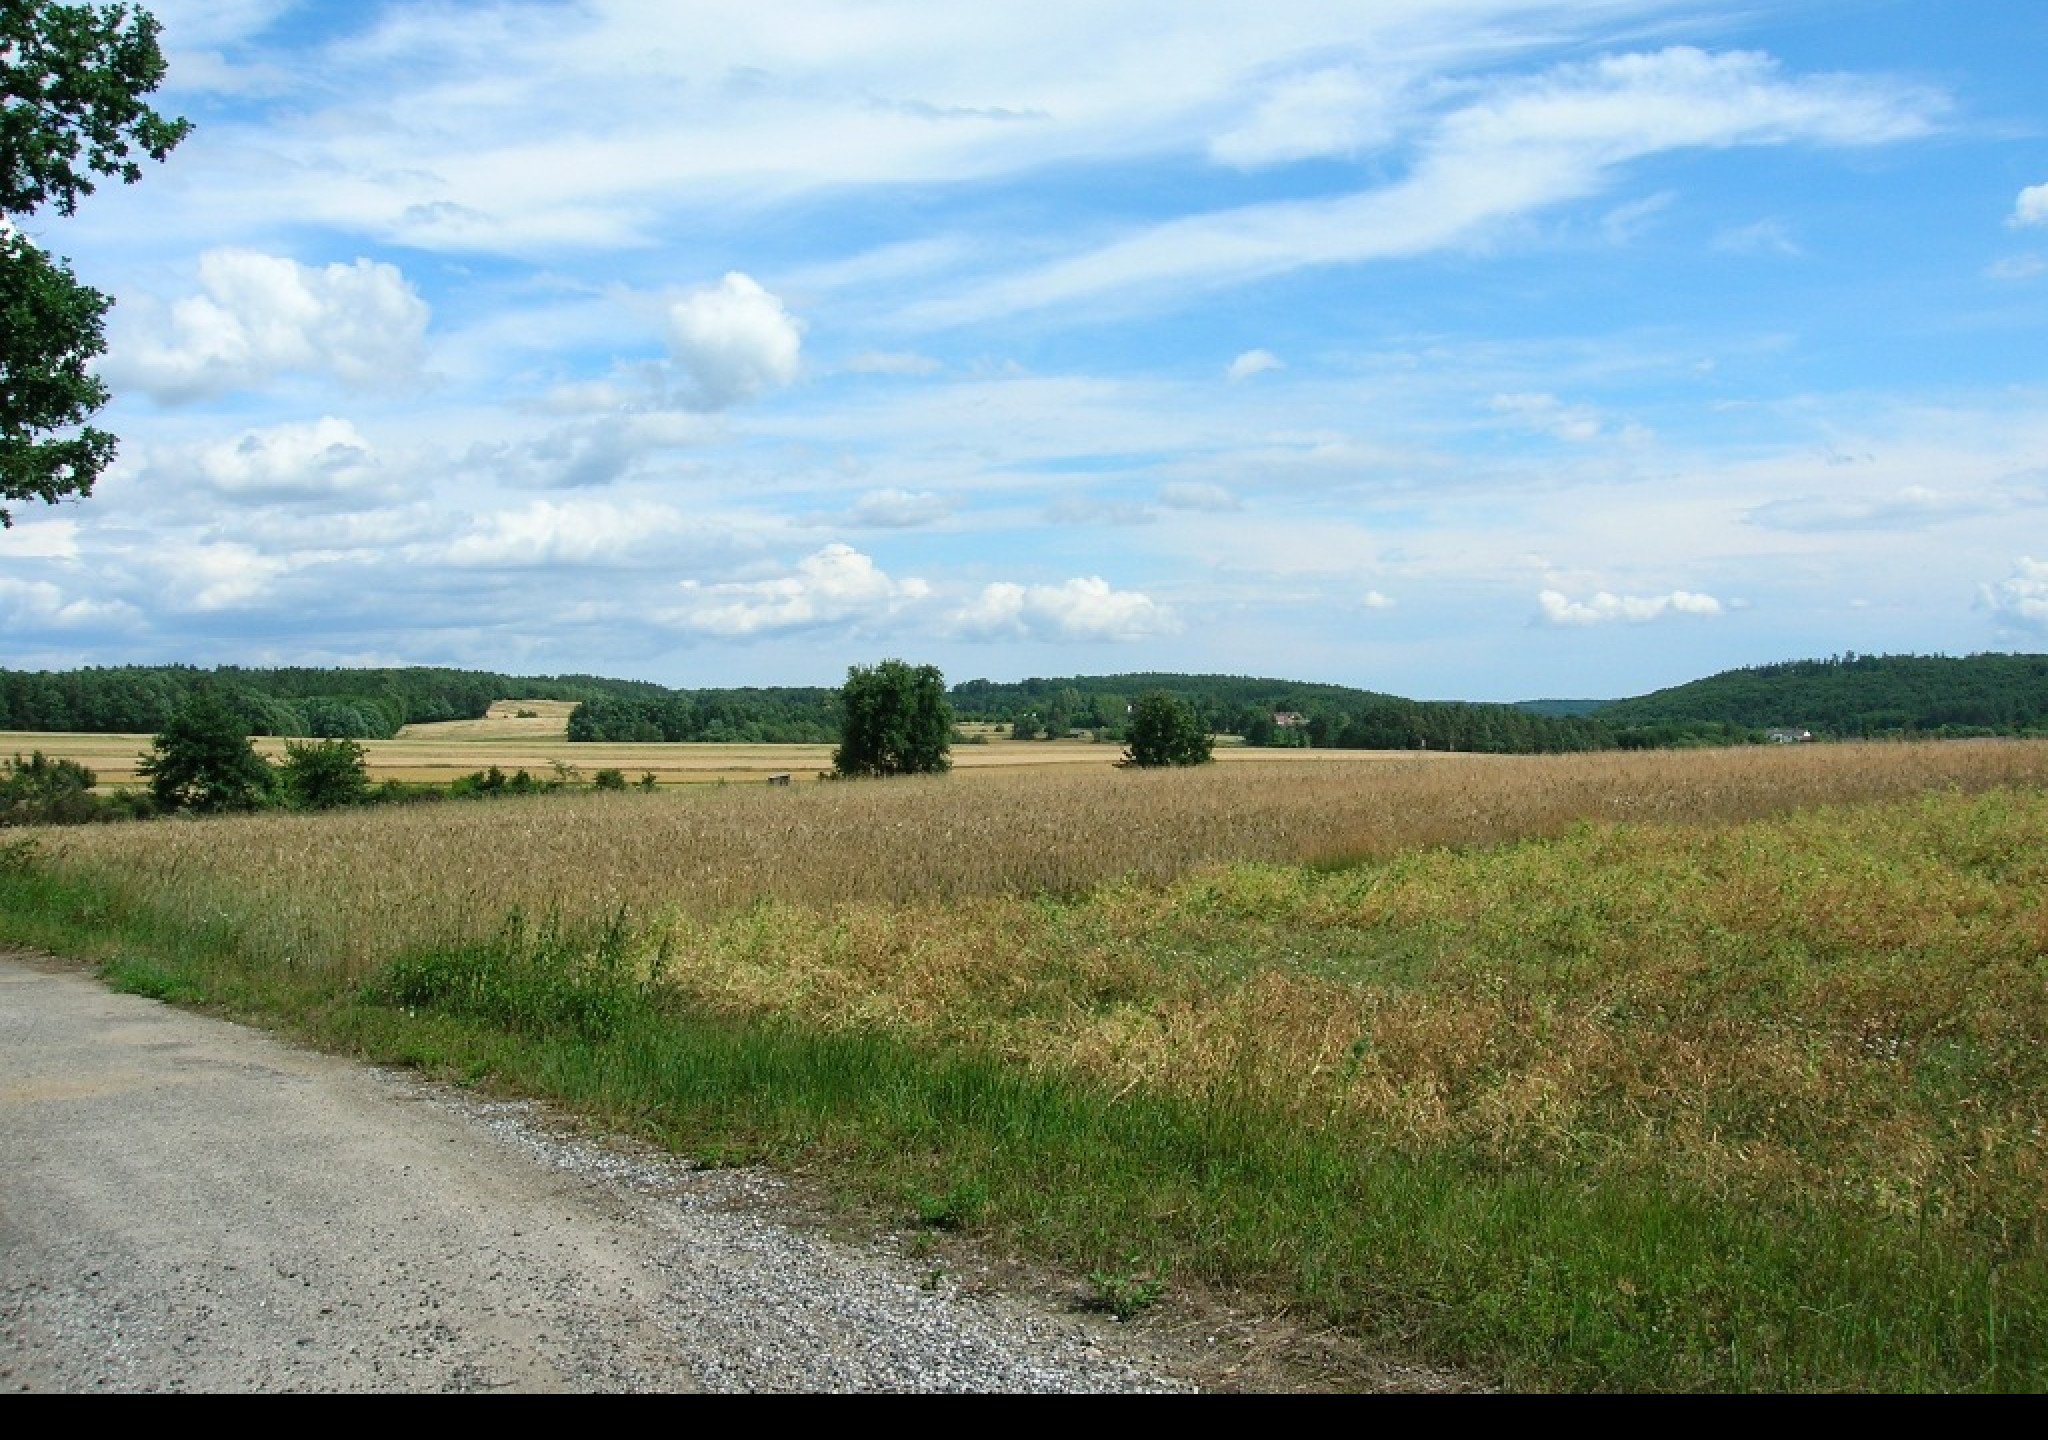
{"x":190,"y":1205}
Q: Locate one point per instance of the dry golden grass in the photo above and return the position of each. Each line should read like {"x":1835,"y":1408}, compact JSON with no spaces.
{"x":505,"y":720}
{"x":1813,"y":972}
{"x":390,"y":876}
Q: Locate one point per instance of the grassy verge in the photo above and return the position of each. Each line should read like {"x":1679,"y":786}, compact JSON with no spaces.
{"x":1750,"y":1105}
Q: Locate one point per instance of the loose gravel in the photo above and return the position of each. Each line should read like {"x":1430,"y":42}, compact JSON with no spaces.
{"x":189,"y":1205}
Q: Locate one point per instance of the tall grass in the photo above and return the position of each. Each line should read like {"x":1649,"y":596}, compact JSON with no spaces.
{"x":1717,"y":1070}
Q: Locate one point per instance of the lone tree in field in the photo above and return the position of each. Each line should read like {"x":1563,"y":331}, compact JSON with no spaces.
{"x":324,"y":774}
{"x":894,"y":721}
{"x":1166,"y":731}
{"x":72,"y":82}
{"x":203,"y":760}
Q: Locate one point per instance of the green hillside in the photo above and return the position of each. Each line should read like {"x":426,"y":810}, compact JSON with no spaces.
{"x":1853,"y":696}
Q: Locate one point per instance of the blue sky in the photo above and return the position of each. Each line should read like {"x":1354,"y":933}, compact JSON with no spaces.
{"x":1460,"y":349}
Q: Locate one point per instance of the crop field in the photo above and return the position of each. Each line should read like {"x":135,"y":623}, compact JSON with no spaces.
{"x":1680,"y":1070}
{"x":530,"y":735}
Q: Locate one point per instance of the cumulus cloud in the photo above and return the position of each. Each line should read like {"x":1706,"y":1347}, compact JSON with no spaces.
{"x":734,"y":341}
{"x":1254,"y":362}
{"x":2031,"y":208}
{"x":2020,"y":600}
{"x":211,"y":577}
{"x":41,"y":540}
{"x":1192,"y":495}
{"x":262,"y":316}
{"x":31,"y":606}
{"x":578,"y":533}
{"x":1603,"y":608}
{"x":324,"y":460}
{"x":1374,"y":600}
{"x":836,"y":586}
{"x":586,"y":454}
{"x":1085,"y":609}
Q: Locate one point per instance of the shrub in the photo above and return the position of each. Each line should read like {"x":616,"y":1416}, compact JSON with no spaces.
{"x":325,"y":774}
{"x":42,"y":791}
{"x":203,"y":760}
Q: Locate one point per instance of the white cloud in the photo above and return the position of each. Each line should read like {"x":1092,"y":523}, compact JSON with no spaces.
{"x":574,"y":533}
{"x":1254,"y":362}
{"x":1334,"y":111}
{"x":879,"y":362}
{"x":1765,"y":237}
{"x":1604,"y":608}
{"x":41,"y":540}
{"x":901,"y":509}
{"x":262,"y":316}
{"x":734,"y":340}
{"x":1528,"y":144}
{"x":1548,"y":415}
{"x":1086,"y":609}
{"x":2022,"y":598}
{"x":327,"y":459}
{"x":30,"y":606}
{"x":590,"y":453}
{"x":2016,"y":267}
{"x":1192,"y":495}
{"x":1909,"y":507}
{"x":1374,"y":600}
{"x":837,"y":585}
{"x":213,"y":577}
{"x":2031,"y":208}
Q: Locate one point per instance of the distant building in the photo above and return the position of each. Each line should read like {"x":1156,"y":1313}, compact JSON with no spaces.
{"x":1289,"y":719}
{"x":1789,"y":736}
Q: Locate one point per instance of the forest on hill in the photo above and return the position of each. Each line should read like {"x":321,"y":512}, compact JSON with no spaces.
{"x":1844,"y":697}
{"x":1858,"y":696}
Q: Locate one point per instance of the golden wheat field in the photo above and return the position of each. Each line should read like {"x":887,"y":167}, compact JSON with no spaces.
{"x":357,"y":886}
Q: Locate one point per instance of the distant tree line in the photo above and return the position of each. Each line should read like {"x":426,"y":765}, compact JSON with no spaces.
{"x":334,"y":704}
{"x":1845,"y":697}
{"x":772,"y":716}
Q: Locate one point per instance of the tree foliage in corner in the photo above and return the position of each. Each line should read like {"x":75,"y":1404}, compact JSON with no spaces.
{"x":1166,"y":731}
{"x":894,"y":721}
{"x":203,"y":760}
{"x":72,"y":82}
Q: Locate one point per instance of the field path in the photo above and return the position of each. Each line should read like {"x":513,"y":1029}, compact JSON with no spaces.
{"x":187,"y":1204}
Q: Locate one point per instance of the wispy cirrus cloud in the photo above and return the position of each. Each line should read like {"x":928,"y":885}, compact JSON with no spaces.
{"x":1526,"y":144}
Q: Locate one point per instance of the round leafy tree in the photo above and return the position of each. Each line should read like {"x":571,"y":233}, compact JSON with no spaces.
{"x":1166,"y":731}
{"x":325,"y":774}
{"x":203,"y":760}
{"x":894,"y":721}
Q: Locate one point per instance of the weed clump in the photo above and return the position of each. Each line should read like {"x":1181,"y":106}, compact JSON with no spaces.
{"x":533,"y":980}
